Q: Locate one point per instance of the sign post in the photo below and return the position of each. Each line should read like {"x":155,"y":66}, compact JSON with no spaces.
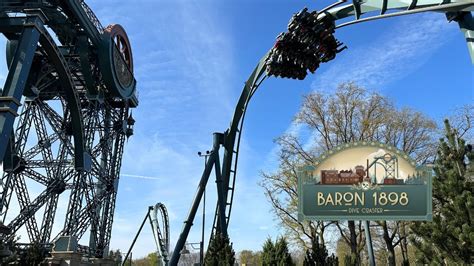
{"x":366,"y":181}
{"x":370,"y":248}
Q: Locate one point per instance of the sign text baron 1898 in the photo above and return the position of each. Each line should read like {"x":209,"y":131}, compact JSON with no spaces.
{"x":365,"y":181}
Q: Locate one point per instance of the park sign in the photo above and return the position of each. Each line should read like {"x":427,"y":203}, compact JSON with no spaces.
{"x":365,"y":181}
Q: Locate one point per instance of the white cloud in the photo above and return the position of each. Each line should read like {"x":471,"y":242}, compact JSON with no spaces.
{"x":183,"y":76}
{"x":397,"y":53}
{"x":141,"y":177}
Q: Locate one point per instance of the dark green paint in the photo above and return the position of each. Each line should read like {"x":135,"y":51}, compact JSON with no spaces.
{"x":418,"y":207}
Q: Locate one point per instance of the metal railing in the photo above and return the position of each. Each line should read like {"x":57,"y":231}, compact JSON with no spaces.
{"x":92,"y":17}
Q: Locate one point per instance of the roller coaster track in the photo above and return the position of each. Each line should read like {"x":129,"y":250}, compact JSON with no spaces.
{"x":76,"y":89}
{"x":361,"y":11}
{"x":159,"y":221}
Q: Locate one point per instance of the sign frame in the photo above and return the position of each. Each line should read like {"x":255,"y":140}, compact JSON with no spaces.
{"x":305,"y":178}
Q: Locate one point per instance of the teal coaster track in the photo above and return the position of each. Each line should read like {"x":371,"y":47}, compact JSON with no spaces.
{"x":159,"y":221}
{"x":309,"y":35}
{"x":74,"y":80}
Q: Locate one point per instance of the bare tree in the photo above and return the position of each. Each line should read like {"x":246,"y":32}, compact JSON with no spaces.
{"x":250,"y":258}
{"x":462,"y":121}
{"x":349,"y":114}
{"x":353,"y":235}
{"x":281,"y":190}
{"x":354,"y":114}
{"x":393,"y":234}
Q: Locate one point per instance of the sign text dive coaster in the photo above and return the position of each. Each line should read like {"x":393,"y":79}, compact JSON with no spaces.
{"x":365,"y":181}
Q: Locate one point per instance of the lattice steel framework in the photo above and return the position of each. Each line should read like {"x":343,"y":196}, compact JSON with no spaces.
{"x":76,"y":92}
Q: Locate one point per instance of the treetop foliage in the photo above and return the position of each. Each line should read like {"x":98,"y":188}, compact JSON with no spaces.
{"x":276,"y":253}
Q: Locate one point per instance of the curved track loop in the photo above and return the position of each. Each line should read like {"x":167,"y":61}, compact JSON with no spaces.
{"x":233,"y":137}
{"x":161,"y":231}
{"x":225,"y":178}
{"x":159,"y":221}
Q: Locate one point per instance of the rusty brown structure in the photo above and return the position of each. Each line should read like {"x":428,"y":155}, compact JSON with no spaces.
{"x":343,"y":177}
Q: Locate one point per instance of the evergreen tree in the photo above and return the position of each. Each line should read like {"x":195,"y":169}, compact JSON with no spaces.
{"x":276,"y":254}
{"x":450,"y":237}
{"x":318,"y":256}
{"x":33,"y":255}
{"x":268,"y":253}
{"x":282,"y":254}
{"x":220,"y":252}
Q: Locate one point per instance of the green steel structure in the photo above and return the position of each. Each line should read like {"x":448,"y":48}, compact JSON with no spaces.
{"x":308,"y":42}
{"x":159,"y":221}
{"x":74,"y":81}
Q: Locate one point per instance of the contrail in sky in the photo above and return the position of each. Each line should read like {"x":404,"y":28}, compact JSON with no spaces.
{"x":141,"y":177}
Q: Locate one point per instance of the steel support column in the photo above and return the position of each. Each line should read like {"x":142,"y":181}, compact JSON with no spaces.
{"x":228,"y":141}
{"x":368,"y":240}
{"x":221,"y":191}
{"x":195,"y":205}
{"x":15,"y":83}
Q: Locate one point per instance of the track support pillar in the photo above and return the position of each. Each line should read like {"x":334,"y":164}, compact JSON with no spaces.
{"x":195,"y":205}
{"x":221,"y":190}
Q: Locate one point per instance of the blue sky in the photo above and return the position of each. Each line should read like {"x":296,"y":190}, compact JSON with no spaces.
{"x":191,"y":59}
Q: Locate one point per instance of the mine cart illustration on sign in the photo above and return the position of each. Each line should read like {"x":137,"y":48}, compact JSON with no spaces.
{"x":364,"y":181}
